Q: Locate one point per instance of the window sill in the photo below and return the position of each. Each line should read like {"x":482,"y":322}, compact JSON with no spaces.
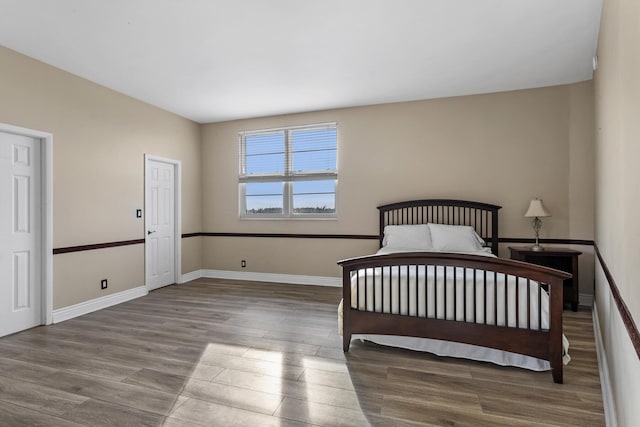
{"x":291,"y":218}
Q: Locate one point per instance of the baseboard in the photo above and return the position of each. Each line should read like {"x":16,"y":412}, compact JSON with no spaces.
{"x":274,"y":278}
{"x":586,"y":300}
{"x":603,"y":369}
{"x":86,"y":307}
{"x":192,"y":275}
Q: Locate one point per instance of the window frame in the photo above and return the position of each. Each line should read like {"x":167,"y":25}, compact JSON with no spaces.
{"x":288,"y":177}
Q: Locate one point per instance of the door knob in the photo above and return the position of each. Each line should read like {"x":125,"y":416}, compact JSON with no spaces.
{"x":150,"y":231}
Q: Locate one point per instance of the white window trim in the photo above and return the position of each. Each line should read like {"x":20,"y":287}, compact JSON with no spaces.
{"x":288,"y":180}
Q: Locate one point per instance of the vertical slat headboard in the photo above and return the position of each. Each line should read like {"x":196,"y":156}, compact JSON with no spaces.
{"x":483,"y":217}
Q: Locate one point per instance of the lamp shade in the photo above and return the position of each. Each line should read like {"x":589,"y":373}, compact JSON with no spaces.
{"x":536,"y":209}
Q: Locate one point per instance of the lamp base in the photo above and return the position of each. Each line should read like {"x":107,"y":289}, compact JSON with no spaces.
{"x":537,"y":248}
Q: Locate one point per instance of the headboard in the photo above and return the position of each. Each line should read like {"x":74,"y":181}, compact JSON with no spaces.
{"x":482,"y":217}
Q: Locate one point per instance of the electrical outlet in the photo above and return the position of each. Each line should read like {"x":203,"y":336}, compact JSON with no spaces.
{"x":243,"y":263}
{"x":103,"y":284}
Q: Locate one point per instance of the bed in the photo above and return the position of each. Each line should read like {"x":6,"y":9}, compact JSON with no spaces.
{"x":437,"y":285}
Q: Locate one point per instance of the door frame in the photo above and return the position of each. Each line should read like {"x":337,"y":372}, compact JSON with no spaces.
{"x":177,"y":215}
{"x":46,"y":207}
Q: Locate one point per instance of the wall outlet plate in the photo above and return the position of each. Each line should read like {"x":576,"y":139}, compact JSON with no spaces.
{"x":103,"y":284}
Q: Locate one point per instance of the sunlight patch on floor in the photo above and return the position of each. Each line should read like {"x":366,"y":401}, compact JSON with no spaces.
{"x":236,"y":385}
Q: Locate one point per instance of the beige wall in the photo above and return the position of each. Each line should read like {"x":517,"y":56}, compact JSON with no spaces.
{"x":100,"y":138}
{"x":500,"y":148}
{"x":73,"y":273}
{"x":617,"y":100}
{"x":503,"y":148}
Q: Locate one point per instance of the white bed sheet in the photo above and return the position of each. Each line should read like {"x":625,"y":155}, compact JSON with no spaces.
{"x":435,"y":280}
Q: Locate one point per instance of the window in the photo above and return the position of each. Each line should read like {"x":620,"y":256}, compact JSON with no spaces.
{"x":289,"y":173}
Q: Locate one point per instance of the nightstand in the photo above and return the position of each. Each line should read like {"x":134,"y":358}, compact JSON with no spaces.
{"x":559,"y":258}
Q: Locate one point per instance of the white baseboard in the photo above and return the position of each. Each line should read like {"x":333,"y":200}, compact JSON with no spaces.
{"x":586,"y":300}
{"x":193,"y":275}
{"x":605,"y":381}
{"x":86,"y":307}
{"x":264,"y":277}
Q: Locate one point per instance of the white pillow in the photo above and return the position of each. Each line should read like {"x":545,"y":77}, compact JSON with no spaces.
{"x":455,"y":238}
{"x":407,"y":237}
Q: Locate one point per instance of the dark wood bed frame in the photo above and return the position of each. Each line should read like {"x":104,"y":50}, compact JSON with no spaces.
{"x":540,"y":343}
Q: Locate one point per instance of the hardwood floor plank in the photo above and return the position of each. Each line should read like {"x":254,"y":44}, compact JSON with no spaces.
{"x":302,"y":336}
{"x":205,"y":372}
{"x":518,"y":394}
{"x":6,"y":351}
{"x":331,"y":353}
{"x":271,"y":345}
{"x":15,"y":415}
{"x":318,"y":414}
{"x":305,"y":361}
{"x":515,"y":376}
{"x":108,"y":353}
{"x":280,"y":370}
{"x":104,"y":414}
{"x":531,"y":410}
{"x":146,"y":341}
{"x":223,"y":348}
{"x":385,"y":421}
{"x":174,"y":422}
{"x":157,"y":380}
{"x":49,"y":400}
{"x":113,"y":391}
{"x":316,"y":393}
{"x":331,"y":379}
{"x":93,"y":367}
{"x":442,"y":415}
{"x":212,"y":414}
{"x":228,"y":395}
{"x":17,"y":369}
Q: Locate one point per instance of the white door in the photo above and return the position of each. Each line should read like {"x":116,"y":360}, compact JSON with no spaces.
{"x":160,"y":224}
{"x":20,"y":233}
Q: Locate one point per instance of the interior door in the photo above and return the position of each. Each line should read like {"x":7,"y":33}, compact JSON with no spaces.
{"x":20,"y":233}
{"x":160,"y":224}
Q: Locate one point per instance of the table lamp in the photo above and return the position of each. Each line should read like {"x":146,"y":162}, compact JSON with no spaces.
{"x":536,"y":211}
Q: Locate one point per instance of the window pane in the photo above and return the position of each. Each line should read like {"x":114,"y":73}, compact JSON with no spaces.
{"x":265,"y":163}
{"x":317,"y":197}
{"x":314,"y":149}
{"x":264,"y":198}
{"x":264,"y":153}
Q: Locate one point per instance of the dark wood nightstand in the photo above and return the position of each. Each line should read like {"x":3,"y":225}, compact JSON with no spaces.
{"x":559,"y":258}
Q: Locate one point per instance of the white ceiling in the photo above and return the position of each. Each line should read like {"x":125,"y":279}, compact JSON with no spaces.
{"x":216,"y":60}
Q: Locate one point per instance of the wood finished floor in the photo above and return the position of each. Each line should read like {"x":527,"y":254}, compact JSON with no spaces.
{"x":223,"y":353}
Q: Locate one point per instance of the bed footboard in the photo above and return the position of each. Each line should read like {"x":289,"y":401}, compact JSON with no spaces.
{"x":491,"y":302}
